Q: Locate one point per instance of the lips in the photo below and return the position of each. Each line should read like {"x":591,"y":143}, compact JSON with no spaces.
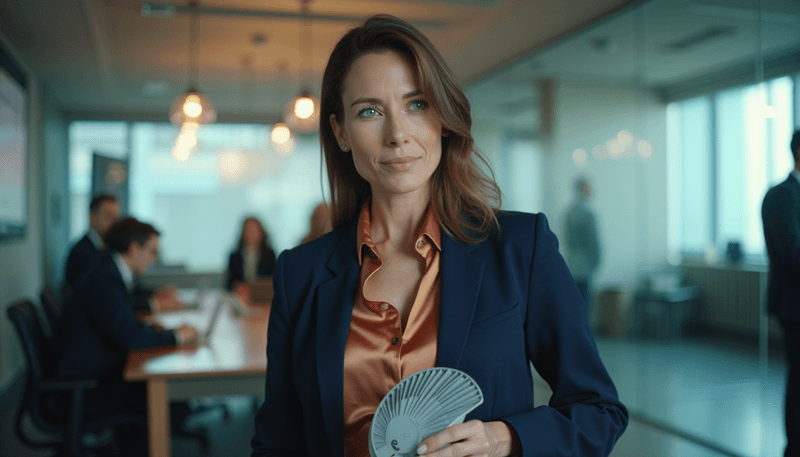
{"x":401,"y":163}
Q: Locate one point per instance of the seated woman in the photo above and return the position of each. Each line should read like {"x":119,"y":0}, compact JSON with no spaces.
{"x":423,"y":270}
{"x":253,"y":258}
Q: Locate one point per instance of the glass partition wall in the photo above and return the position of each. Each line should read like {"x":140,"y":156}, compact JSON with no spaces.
{"x":679,"y":116}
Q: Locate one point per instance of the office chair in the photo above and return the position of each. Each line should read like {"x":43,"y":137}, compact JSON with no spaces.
{"x":51,"y":304}
{"x":40,"y":384}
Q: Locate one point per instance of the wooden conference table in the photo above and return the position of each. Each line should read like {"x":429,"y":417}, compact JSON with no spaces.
{"x":233,"y":362}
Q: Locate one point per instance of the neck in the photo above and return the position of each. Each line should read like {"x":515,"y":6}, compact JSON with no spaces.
{"x":396,"y":218}
{"x":797,"y":166}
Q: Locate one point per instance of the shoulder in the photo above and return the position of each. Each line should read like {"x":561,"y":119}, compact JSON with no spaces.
{"x":317,"y":251}
{"x":784,"y":193}
{"x":520,"y":232}
{"x":515,"y":225}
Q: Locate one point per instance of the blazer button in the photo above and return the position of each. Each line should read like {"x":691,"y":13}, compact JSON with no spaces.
{"x":395,"y":341}
{"x":384,"y":306}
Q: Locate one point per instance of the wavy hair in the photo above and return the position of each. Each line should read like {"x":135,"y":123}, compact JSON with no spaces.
{"x":465,"y":198}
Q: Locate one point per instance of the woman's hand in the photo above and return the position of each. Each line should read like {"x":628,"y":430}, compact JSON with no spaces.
{"x":473,"y":438}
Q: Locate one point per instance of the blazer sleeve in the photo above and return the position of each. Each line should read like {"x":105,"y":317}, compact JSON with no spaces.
{"x":279,"y":421}
{"x":584,"y":416}
{"x":113,"y":316}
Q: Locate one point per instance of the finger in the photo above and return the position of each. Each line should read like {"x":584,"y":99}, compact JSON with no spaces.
{"x":470,"y":447}
{"x":451,"y":435}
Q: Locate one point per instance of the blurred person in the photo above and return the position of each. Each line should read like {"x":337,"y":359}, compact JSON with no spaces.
{"x":780,"y":213}
{"x":582,"y":242}
{"x":98,"y":326}
{"x":422,"y":270}
{"x":320,"y":223}
{"x":103,"y":212}
{"x":252,"y":259}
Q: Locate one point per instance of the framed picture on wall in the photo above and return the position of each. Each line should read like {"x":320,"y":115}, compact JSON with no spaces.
{"x":13,"y":149}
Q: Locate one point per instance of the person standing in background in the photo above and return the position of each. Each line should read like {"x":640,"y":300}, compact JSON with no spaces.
{"x":253,"y":258}
{"x":582,"y":243}
{"x":780,"y":213}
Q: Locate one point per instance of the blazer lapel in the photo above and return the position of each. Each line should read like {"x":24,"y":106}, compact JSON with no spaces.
{"x":334,"y":310}
{"x":461,"y":275}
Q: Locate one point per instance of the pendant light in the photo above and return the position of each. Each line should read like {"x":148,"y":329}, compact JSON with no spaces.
{"x":302,"y":112}
{"x":192,"y":106}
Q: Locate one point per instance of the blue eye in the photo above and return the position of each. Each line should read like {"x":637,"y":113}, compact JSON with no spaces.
{"x":368,"y":112}
{"x":419,"y":104}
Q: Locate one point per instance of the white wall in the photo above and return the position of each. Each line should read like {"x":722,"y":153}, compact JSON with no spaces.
{"x":630,"y":193}
{"x":21,"y":266}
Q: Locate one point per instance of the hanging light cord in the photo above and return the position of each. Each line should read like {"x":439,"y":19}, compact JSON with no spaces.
{"x":193,"y":72}
{"x":306,"y":44}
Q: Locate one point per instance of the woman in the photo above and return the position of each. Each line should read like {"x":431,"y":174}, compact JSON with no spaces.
{"x":253,"y":258}
{"x":421,"y":271}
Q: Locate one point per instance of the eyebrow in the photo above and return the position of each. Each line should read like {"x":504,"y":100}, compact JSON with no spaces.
{"x":375,"y":100}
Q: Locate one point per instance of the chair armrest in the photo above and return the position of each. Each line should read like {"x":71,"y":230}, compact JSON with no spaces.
{"x":77,"y":384}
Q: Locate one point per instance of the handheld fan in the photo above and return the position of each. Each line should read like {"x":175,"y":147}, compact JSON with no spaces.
{"x":421,"y":405}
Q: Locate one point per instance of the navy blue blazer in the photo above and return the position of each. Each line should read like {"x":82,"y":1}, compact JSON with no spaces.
{"x":83,"y":256}
{"x":505,"y":302}
{"x":780,"y":213}
{"x":98,"y":327}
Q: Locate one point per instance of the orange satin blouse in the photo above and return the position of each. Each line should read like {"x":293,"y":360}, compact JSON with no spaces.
{"x":378,"y":353}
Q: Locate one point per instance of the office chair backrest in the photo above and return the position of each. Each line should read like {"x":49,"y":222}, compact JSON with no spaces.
{"x":51,"y":304}
{"x":26,"y":321}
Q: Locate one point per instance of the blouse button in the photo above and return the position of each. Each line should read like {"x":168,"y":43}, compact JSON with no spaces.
{"x":384,"y":306}
{"x":395,"y":341}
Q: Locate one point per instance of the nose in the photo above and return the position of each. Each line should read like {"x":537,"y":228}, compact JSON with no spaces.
{"x":397,"y":129}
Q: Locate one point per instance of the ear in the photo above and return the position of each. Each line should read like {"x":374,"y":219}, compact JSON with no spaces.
{"x":338,"y":131}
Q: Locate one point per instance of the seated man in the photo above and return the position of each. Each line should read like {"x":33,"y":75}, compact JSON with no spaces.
{"x":103,"y":212}
{"x":99,"y":327}
{"x":88,"y":251}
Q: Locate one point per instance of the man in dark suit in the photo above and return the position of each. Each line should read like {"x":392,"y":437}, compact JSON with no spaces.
{"x":781,"y":215}
{"x":98,"y":324}
{"x":88,"y":251}
{"x":103,"y":212}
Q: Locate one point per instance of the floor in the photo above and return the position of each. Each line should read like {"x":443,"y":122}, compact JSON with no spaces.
{"x":690,"y":398}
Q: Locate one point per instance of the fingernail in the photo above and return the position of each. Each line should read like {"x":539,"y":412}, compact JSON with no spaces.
{"x":422,"y":449}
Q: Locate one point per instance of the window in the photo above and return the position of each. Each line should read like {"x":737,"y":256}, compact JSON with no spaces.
{"x":198,"y":204}
{"x":726,"y":150}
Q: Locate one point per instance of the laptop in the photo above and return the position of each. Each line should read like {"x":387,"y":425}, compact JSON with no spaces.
{"x":261,"y":291}
{"x":206,"y":334}
{"x":193,"y":298}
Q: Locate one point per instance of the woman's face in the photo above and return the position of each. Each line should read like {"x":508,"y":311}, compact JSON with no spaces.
{"x":394,"y":136}
{"x":252,"y":233}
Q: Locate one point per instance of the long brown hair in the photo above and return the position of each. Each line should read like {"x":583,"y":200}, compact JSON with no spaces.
{"x":461,"y":192}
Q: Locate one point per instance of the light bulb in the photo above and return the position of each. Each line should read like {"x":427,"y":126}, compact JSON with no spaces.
{"x":192,"y":107}
{"x":280,"y":134}
{"x":304,"y":108}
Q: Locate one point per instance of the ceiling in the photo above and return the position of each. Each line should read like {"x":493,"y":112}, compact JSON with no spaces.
{"x":105,"y":59}
{"x":666,"y":46}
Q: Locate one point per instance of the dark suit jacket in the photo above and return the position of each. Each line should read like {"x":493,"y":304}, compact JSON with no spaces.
{"x":504,"y":302}
{"x":81,"y":259}
{"x":266,"y":267}
{"x":98,"y":327}
{"x":781,"y":215}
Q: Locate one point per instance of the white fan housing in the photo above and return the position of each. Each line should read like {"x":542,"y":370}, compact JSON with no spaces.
{"x":419,"y":406}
